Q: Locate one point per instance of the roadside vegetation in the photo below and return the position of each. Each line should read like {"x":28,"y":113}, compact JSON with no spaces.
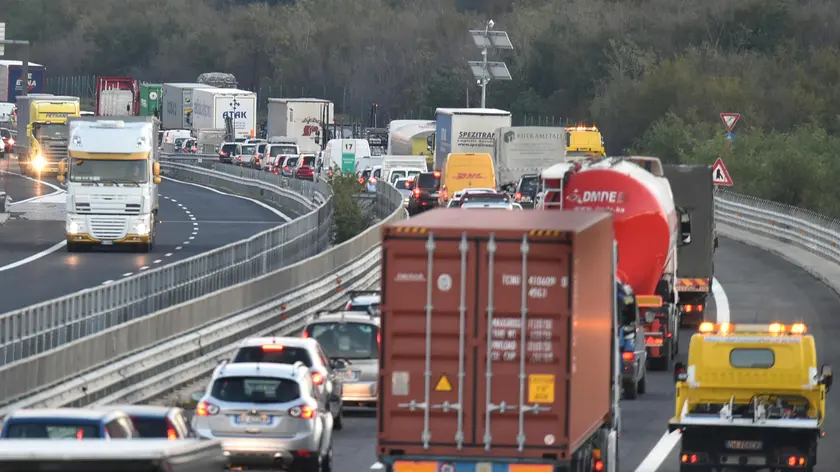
{"x":653,"y":74}
{"x":349,"y":217}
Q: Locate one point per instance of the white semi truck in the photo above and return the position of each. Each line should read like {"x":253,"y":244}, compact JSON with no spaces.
{"x":300,"y":118}
{"x":213,"y":106}
{"x":112,"y":175}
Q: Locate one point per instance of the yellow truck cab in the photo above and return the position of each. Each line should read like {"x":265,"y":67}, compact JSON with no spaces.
{"x":43,"y":131}
{"x":583,"y":142}
{"x":750,"y":397}
{"x":466,"y":170}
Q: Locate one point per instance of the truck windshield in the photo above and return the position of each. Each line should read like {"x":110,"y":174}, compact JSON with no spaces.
{"x":51,"y":131}
{"x":88,"y":170}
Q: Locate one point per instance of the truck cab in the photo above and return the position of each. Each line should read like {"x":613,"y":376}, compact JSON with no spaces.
{"x":43,"y":122}
{"x":112,"y":178}
{"x":750,"y":396}
{"x":583,"y":142}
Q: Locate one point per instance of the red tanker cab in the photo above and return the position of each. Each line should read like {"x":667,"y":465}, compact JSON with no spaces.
{"x":648,"y":225}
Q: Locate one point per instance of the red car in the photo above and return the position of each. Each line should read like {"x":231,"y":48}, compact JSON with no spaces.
{"x":7,"y":142}
{"x":305,"y":169}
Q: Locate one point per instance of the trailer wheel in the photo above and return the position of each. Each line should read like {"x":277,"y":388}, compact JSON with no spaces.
{"x":631,"y":390}
{"x":642,"y":385}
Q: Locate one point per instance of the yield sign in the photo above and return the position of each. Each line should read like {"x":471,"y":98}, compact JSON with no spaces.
{"x":729,"y":119}
{"x":720,"y":176}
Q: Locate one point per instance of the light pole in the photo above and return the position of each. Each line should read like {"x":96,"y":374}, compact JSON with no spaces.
{"x":485,"y":70}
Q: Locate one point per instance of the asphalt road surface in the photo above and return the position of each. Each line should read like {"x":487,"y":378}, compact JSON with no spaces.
{"x":759,"y":287}
{"x":34,"y":264}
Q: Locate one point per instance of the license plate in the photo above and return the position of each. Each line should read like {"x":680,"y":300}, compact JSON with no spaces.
{"x":254,"y":419}
{"x":107,"y":243}
{"x":745,"y":445}
{"x":351,"y":375}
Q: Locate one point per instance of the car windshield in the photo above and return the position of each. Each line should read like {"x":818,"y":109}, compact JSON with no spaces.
{"x":428,"y":180}
{"x":396,"y":174}
{"x":229,"y":148}
{"x":52,"y":430}
{"x":56,"y":131}
{"x":308,"y":161}
{"x":255,"y":390}
{"x":249,"y":149}
{"x":528,"y":185}
{"x":346,"y":340}
{"x":404,"y":184}
{"x":291,"y":161}
{"x":261,"y":148}
{"x":5,"y":133}
{"x":150,"y":427}
{"x":278,"y":150}
{"x":273,"y":354}
{"x":413,"y":173}
{"x":117,"y":171}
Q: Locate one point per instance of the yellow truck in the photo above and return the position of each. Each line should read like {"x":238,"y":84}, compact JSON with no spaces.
{"x":43,"y":132}
{"x":751,"y":397}
{"x":583,"y":142}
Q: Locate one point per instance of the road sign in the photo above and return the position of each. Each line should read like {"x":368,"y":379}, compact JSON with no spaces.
{"x":720,"y":176}
{"x":730,"y":119}
{"x":348,"y":156}
{"x":729,"y":136}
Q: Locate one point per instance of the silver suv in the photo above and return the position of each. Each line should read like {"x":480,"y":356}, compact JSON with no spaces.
{"x":350,"y":338}
{"x":286,"y":350}
{"x":267,"y":415}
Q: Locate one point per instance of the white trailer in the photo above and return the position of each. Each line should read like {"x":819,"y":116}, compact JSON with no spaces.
{"x":212,"y":105}
{"x":467,"y":130}
{"x":177,"y":105}
{"x":408,"y":137}
{"x":524,"y":150}
{"x":298,"y":117}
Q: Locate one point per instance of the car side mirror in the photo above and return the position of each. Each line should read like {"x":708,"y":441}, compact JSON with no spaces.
{"x":826,"y":377}
{"x":156,"y":168}
{"x":60,"y":178}
{"x":680,"y":372}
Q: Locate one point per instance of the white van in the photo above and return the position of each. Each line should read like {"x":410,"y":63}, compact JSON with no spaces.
{"x":402,"y":167}
{"x":338,"y":149}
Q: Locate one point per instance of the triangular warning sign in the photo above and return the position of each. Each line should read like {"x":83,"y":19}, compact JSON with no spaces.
{"x":443,"y":385}
{"x":720,"y":176}
{"x":730,"y":119}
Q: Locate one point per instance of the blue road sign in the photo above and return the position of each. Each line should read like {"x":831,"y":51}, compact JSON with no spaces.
{"x":729,"y":136}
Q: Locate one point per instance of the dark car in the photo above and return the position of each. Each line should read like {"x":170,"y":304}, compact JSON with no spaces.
{"x":156,"y":422}
{"x":67,"y":423}
{"x":425,"y":194}
{"x":526,"y":190}
{"x":228,"y":152}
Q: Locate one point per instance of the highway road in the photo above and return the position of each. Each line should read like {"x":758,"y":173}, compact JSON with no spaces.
{"x":759,"y":288}
{"x":34,"y":265}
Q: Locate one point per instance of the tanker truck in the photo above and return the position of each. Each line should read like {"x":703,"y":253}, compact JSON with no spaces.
{"x":649,"y":229}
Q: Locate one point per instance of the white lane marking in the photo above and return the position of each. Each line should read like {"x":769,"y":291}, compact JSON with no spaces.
{"x":257,"y":202}
{"x":144,"y":267}
{"x":57,"y":192}
{"x":168,"y":254}
{"x":127,"y":274}
{"x":52,"y":186}
{"x":158,"y":261}
{"x":195,"y":224}
{"x":34,"y":257}
{"x":178,"y":248}
{"x":721,"y":302}
{"x":666,"y":443}
{"x":186,"y":242}
{"x":107,"y":282}
{"x":176,"y":201}
{"x":191,"y":238}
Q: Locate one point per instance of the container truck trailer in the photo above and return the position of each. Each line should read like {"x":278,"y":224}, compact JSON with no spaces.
{"x":177,"y":104}
{"x":150,"y":100}
{"x":300,"y":118}
{"x":11,"y":82}
{"x":213,"y":106}
{"x":649,"y":228}
{"x":467,"y":130}
{"x":498,"y":343}
{"x":694,"y":191}
{"x":117,"y":96}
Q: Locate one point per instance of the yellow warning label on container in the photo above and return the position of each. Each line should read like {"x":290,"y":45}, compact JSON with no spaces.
{"x":443,"y":385}
{"x":541,"y":388}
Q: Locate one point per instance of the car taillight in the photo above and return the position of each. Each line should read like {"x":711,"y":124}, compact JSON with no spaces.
{"x":206,"y":409}
{"x":378,"y":338}
{"x":361,"y":180}
{"x":305,"y":412}
{"x":628,"y":356}
{"x":11,"y":140}
{"x":80,"y":433}
{"x":305,"y":334}
{"x":171,"y":434}
{"x":372,"y":180}
{"x":517,"y":197}
{"x":317,"y":378}
{"x":272,"y":347}
{"x":436,"y":174}
{"x":286,"y":168}
{"x":417,"y":192}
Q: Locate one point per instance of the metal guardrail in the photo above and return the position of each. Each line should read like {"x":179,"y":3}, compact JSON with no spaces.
{"x":39,"y":328}
{"x":811,"y":230}
{"x":178,"y":344}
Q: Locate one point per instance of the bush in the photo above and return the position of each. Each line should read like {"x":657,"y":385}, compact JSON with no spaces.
{"x":349,"y":217}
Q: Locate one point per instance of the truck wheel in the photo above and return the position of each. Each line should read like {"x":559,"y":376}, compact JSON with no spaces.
{"x":72,"y":247}
{"x":631,"y":390}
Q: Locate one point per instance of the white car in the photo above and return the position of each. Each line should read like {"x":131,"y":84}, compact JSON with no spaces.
{"x":492,"y":205}
{"x":457,"y":195}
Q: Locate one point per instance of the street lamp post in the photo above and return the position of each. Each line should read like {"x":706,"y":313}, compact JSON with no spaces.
{"x":485,"y":70}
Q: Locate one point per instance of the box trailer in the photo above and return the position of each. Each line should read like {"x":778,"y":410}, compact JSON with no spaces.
{"x":299,"y":117}
{"x":467,"y":130}
{"x":11,"y":84}
{"x":498,"y":340}
{"x":177,"y":104}
{"x":212,"y":106}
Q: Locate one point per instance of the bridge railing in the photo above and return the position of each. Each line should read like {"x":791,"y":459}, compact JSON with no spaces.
{"x":39,"y":328}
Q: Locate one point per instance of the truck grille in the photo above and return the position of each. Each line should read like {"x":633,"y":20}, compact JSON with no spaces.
{"x":110,"y":208}
{"x":107,"y":227}
{"x":54,"y":151}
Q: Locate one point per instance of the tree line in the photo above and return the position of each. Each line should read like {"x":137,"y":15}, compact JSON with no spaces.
{"x":652,"y":74}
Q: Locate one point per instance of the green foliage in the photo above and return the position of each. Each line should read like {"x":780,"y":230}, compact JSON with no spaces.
{"x":652,"y":74}
{"x":349,"y":218}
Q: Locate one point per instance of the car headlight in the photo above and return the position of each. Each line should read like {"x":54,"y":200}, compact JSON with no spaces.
{"x":141,"y":228}
{"x":39,"y":162}
{"x":73,"y":227}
